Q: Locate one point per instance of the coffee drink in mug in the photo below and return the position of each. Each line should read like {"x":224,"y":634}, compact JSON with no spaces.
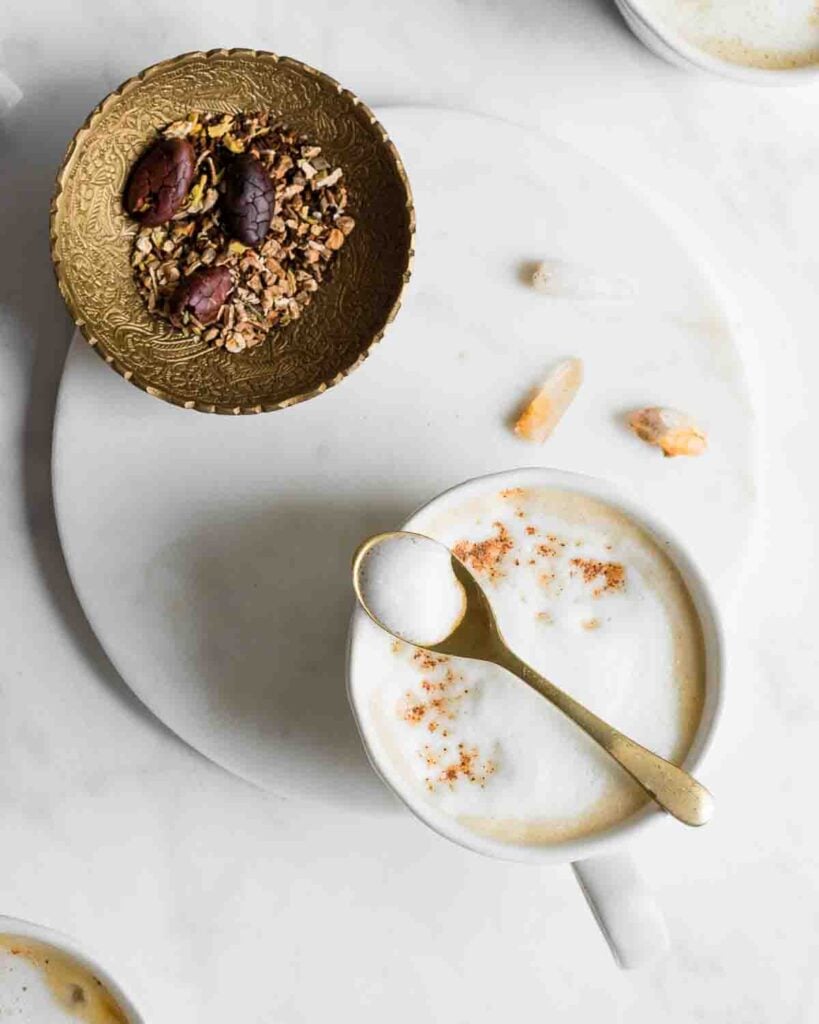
{"x":45,"y":979}
{"x":594,"y":596}
{"x":588,"y":598}
{"x":765,"y":34}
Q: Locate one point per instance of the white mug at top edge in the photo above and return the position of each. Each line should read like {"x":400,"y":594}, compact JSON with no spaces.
{"x":672,"y":46}
{"x":65,"y":944}
{"x":620,"y":901}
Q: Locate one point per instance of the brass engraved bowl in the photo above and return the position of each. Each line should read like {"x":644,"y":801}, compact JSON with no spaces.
{"x":91,"y":236}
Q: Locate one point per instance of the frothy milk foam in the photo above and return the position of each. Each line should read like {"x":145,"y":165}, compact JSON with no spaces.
{"x":40,"y":984}
{"x":408,"y":584}
{"x":590,"y":600}
{"x":756,"y":33}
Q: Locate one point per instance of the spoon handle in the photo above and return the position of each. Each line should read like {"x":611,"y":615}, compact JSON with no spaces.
{"x":672,"y":788}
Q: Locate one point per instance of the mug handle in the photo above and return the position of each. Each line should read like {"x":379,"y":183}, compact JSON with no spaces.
{"x":624,"y":908}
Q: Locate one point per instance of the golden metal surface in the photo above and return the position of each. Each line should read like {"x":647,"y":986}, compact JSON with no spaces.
{"x":478,"y":636}
{"x":91,"y":236}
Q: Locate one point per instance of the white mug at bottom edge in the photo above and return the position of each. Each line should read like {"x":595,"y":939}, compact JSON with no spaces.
{"x":65,"y":944}
{"x":618,"y":898}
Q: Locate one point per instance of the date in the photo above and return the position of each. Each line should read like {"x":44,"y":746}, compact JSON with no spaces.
{"x":249,"y":200}
{"x":201,"y":295}
{"x":160,"y":181}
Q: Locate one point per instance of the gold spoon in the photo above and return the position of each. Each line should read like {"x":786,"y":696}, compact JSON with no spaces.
{"x":476,"y":635}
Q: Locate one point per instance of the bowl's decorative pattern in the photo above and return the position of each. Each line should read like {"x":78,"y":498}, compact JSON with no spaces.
{"x":91,"y":236}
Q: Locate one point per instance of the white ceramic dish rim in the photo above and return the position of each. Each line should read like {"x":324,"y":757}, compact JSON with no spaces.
{"x":21,"y":929}
{"x":693,"y":55}
{"x":713,"y":631}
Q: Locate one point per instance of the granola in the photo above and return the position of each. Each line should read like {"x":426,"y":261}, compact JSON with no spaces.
{"x":228,"y":199}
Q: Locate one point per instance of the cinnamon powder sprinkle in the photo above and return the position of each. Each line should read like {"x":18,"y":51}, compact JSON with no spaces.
{"x":411,"y":711}
{"x":426,"y":660}
{"x":467,"y":767}
{"x":485,"y":555}
{"x":429,"y":756}
{"x":437,"y":704}
{"x":611,"y":575}
{"x":553,"y":547}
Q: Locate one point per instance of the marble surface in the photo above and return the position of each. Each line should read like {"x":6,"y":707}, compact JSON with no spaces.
{"x":213,"y":901}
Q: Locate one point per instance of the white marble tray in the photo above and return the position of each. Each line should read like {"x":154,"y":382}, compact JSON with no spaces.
{"x":211,"y":554}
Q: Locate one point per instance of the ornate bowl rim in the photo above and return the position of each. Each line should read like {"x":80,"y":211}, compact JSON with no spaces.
{"x":56,"y":211}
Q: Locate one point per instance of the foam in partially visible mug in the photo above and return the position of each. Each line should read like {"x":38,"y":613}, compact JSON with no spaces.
{"x":40,"y":984}
{"x":773,"y":34}
{"x":589,"y":599}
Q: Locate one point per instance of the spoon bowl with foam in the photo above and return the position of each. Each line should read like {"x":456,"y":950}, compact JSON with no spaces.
{"x":414,"y":588}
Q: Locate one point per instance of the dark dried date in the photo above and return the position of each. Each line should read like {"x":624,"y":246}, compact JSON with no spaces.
{"x":202,"y":295}
{"x":160,"y":181}
{"x":249,"y":200}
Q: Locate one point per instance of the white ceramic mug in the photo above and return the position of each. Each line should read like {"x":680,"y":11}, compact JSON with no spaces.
{"x":672,"y":46}
{"x":619,"y":899}
{"x":18,"y":929}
